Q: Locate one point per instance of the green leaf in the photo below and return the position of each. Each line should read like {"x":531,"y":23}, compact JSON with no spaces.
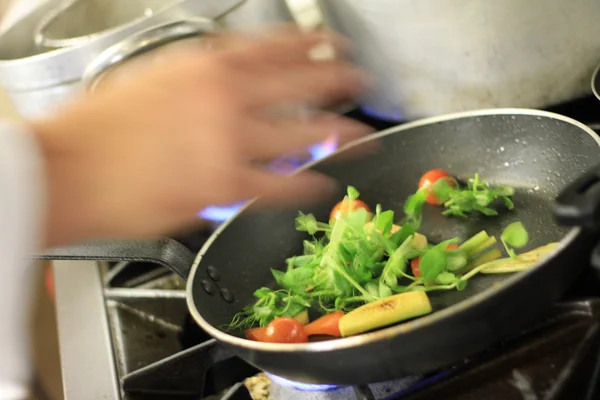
{"x":404,"y":233}
{"x":413,"y":208}
{"x":279,"y":277}
{"x":442,"y":190}
{"x":384,"y":290}
{"x":432,"y":264}
{"x":508,"y":202}
{"x":384,"y":222}
{"x":308,"y":223}
{"x":504,"y":191}
{"x":262,"y":292}
{"x":353,"y":193}
{"x":373,"y":289}
{"x":515,"y":235}
{"x":456,"y":259}
{"x":357,"y":219}
{"x":446,"y":278}
{"x":396,"y":264}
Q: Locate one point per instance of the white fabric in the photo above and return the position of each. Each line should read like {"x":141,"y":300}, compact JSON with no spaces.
{"x":21,"y":200}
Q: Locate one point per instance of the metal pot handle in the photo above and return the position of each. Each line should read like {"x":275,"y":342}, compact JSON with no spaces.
{"x":143,"y":42}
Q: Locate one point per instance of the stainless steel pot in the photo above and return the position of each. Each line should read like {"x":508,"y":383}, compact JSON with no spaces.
{"x":38,"y":79}
{"x":75,"y":22}
{"x":144,"y":42}
{"x":436,"y":57}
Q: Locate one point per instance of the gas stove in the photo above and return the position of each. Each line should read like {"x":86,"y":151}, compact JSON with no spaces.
{"x":125,"y":334}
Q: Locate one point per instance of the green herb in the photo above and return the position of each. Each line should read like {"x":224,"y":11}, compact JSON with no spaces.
{"x":413,"y":208}
{"x":477,"y":196}
{"x":514,"y":236}
{"x":270,"y":305}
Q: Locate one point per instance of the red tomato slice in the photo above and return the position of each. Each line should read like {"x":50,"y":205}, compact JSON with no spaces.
{"x":285,"y":330}
{"x":343,"y":206}
{"x":326,"y":325}
{"x":414,"y":266}
{"x":414,"y":263}
{"x":431,"y":177}
{"x":257,"y":334}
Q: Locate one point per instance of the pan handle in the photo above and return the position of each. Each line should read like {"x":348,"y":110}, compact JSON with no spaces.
{"x":166,"y":252}
{"x":578,"y":205}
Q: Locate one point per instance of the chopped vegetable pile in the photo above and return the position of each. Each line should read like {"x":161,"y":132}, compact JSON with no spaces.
{"x":355,"y":267}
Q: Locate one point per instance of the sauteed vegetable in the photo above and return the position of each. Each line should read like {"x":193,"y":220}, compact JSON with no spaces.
{"x":354,"y":269}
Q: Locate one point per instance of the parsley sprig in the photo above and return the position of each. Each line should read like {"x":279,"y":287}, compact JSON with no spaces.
{"x":460,"y":201}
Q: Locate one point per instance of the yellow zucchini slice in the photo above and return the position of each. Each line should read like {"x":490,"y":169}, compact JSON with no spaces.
{"x":521,"y":263}
{"x":302,"y":317}
{"x":384,"y":312}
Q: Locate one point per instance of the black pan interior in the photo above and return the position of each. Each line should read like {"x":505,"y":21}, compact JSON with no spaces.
{"x":537,"y":155}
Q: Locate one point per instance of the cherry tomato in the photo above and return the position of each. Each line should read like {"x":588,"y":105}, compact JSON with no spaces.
{"x":257,"y":334}
{"x":285,"y":330}
{"x":414,"y":263}
{"x":342,"y":207}
{"x":326,"y":325}
{"x":414,"y":266}
{"x":431,"y":177}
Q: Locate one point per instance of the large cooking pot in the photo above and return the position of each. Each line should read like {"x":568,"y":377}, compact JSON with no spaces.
{"x":38,"y":79}
{"x":435,"y":57}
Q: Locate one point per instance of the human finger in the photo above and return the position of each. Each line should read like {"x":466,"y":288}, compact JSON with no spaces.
{"x":283,"y":44}
{"x":314,"y":83}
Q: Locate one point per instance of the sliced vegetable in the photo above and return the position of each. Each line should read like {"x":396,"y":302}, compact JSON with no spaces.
{"x":302,"y":317}
{"x":257,"y":334}
{"x":328,"y":324}
{"x":431,"y":177}
{"x":385,"y":312}
{"x":414,"y":266}
{"x":285,"y":330}
{"x":521,"y":262}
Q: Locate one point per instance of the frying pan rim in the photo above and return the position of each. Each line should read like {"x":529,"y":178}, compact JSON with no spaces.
{"x":594,"y":77}
{"x":394,"y":330}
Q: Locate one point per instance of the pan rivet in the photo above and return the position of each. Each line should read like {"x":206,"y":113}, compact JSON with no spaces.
{"x":213,"y":273}
{"x":208,"y":286}
{"x":226,"y":295}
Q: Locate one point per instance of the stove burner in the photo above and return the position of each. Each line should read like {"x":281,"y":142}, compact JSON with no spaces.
{"x":303,"y":387}
{"x":285,"y":164}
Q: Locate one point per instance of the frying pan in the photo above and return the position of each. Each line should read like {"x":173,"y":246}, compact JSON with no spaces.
{"x":538,"y":153}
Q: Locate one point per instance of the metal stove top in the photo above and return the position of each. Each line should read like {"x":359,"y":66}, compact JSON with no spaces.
{"x":125,"y":334}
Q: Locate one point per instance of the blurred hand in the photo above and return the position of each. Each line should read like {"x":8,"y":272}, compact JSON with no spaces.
{"x":142,"y":157}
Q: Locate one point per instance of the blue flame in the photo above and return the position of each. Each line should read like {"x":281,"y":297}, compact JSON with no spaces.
{"x":304,"y":387}
{"x":223,"y":213}
{"x":396,"y":117}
